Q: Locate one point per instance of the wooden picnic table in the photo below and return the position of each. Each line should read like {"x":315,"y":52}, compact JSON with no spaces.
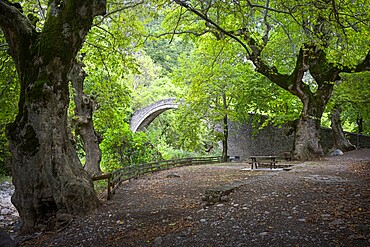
{"x":256,"y":160}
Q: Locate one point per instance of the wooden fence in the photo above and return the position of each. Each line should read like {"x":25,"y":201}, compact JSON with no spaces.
{"x":125,"y":173}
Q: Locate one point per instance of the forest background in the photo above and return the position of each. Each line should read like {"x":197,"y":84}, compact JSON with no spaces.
{"x":142,"y":52}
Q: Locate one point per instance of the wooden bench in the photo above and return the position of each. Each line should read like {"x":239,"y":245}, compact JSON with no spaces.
{"x":263,"y":160}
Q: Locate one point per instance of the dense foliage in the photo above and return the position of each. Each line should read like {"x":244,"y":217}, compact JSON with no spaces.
{"x":353,"y":97}
{"x":300,"y":46}
{"x":140,"y":53}
{"x":9,"y":93}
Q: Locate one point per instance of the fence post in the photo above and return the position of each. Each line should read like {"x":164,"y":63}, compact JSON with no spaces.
{"x":138,"y":171}
{"x":109,"y":191}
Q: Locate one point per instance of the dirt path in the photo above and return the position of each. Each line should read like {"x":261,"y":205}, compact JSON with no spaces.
{"x":322,"y":203}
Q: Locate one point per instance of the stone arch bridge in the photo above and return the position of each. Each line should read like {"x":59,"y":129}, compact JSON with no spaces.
{"x":144,"y":116}
{"x":242,"y":140}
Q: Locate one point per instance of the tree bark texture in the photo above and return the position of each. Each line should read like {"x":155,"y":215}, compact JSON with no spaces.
{"x":48,"y":177}
{"x":307,"y":132}
{"x":340,"y":140}
{"x":313,"y":60}
{"x":83,"y":121}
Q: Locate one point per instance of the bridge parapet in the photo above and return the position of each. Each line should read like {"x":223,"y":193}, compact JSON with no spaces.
{"x":144,"y":116}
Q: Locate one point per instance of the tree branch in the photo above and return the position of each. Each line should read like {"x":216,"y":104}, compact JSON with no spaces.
{"x":177,"y":25}
{"x":101,"y":59}
{"x":365,"y":64}
{"x":266,"y":7}
{"x":268,"y":26}
{"x":63,"y":27}
{"x":116,"y":11}
{"x":181,"y":32}
{"x":220,"y":29}
{"x":287,"y":34}
{"x":41,"y":10}
{"x":17,"y":31}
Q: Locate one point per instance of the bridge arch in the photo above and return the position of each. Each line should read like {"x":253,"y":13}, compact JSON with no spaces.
{"x":144,"y":116}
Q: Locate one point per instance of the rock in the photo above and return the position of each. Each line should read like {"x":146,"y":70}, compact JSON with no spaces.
{"x":336,"y":152}
{"x":224,"y":198}
{"x":64,"y":217}
{"x":6,"y":211}
{"x":173,"y":175}
{"x":189,"y":218}
{"x":325,"y":216}
{"x":157,"y":241}
{"x":220,"y":193}
{"x":6,"y":240}
{"x":337,"y":222}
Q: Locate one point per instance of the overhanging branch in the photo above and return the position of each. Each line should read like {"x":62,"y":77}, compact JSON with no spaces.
{"x":17,"y":29}
{"x":365,"y":64}
{"x":118,"y":10}
{"x":215,"y":25}
{"x":253,"y":49}
{"x":181,"y":32}
{"x":267,"y":8}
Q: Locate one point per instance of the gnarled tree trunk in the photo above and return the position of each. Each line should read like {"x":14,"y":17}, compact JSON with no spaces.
{"x":48,"y":177}
{"x":340,"y":141}
{"x":307,"y":131}
{"x":83,"y":121}
{"x":47,"y":174}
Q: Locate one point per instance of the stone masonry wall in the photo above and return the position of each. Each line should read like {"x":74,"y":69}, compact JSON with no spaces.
{"x":267,"y":141}
{"x":272,"y":140}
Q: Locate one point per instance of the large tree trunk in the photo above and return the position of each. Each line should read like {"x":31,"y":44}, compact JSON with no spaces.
{"x":48,"y":176}
{"x":306,"y":141}
{"x":83,"y":121}
{"x":49,"y":180}
{"x":340,"y":141}
{"x":307,"y":132}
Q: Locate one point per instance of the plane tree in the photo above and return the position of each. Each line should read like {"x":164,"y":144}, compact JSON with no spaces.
{"x":301,"y":46}
{"x":49,"y":180}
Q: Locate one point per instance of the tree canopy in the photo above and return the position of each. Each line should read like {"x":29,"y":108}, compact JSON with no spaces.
{"x":319,"y":36}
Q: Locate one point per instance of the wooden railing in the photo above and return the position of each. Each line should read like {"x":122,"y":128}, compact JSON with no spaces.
{"x":125,"y":173}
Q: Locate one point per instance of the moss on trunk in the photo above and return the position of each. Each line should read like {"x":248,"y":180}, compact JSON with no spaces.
{"x":48,"y":177}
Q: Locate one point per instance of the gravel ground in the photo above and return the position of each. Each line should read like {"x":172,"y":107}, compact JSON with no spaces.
{"x":323,"y":203}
